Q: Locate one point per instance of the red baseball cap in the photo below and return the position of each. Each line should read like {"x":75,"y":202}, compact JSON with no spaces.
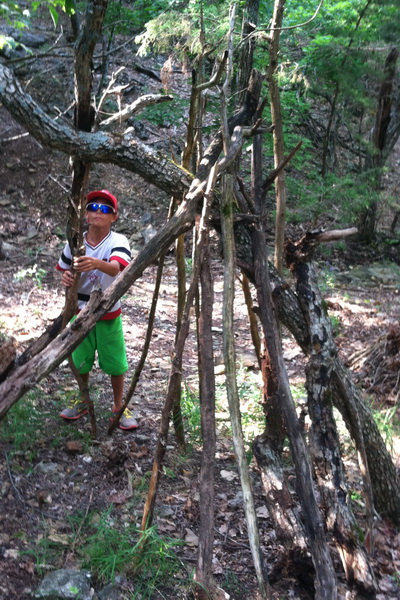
{"x":103,"y":195}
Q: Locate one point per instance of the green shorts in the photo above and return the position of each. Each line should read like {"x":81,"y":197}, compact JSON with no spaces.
{"x":107,"y":338}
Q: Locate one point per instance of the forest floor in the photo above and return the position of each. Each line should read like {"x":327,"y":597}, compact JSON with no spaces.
{"x":53,"y":477}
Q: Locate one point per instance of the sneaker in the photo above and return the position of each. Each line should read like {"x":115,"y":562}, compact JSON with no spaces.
{"x":74,"y":411}
{"x":127,"y":420}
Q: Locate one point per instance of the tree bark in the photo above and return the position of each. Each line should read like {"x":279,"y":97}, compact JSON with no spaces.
{"x":276,"y":114}
{"x":231,"y":386}
{"x":247,"y":47}
{"x":207,"y":404}
{"x":324,"y":441}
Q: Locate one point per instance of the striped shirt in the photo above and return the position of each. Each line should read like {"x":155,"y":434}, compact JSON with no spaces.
{"x":114,"y":246}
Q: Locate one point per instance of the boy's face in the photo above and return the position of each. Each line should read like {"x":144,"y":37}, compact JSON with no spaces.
{"x":97,"y":217}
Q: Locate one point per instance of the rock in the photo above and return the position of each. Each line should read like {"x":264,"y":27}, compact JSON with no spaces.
{"x":74,"y":447}
{"x":148,"y":233}
{"x":165,"y":511}
{"x":109,"y":592}
{"x":146,"y":219}
{"x":112,"y":591}
{"x":65,"y":584}
{"x":31,"y":232}
{"x":48,"y":468}
{"x":32,"y":40}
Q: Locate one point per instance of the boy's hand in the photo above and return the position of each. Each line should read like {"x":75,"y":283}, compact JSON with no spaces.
{"x":67,"y":279}
{"x":86,"y":263}
{"x":83,"y":264}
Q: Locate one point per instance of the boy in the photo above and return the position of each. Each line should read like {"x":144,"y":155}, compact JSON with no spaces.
{"x":107,"y":253}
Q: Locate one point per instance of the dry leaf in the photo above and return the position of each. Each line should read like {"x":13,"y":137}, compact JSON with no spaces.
{"x":60,"y":538}
{"x":228,"y":475}
{"x":262,"y":512}
{"x":191,"y":538}
{"x":216,"y":567}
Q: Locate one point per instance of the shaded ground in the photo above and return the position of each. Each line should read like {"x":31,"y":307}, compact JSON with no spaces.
{"x":45,"y":483}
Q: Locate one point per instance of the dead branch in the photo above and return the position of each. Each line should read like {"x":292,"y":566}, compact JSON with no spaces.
{"x":136,"y":106}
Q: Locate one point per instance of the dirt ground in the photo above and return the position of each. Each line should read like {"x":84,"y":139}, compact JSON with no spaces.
{"x":43,"y":484}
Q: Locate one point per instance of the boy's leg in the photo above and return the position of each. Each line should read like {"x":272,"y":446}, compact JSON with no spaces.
{"x":78,"y":407}
{"x":117,"y":382}
{"x":112,"y":359}
{"x":83,"y":359}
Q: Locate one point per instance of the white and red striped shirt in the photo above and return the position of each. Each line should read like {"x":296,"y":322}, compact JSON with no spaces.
{"x":114,"y":246}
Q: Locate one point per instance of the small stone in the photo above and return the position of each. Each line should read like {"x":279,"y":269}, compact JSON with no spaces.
{"x":65,"y":583}
{"x":74,"y":447}
{"x":48,"y":468}
{"x":31,"y":232}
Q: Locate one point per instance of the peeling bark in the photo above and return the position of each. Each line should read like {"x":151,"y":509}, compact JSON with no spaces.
{"x":323,"y":436}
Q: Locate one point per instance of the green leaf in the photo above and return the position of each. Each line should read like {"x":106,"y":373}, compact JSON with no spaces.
{"x":53,"y":14}
{"x":69,"y":7}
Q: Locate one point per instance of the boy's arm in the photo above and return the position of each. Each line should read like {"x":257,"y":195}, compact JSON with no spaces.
{"x":67,"y":278}
{"x":83,"y":264}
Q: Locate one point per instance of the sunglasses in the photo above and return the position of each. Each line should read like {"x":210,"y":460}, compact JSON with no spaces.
{"x":104,"y":208}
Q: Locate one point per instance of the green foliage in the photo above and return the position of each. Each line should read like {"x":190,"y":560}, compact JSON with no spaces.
{"x":25,"y":425}
{"x":177,"y":29}
{"x":111,"y":549}
{"x":126,"y":19}
{"x":20,"y":14}
{"x":331,"y":60}
{"x":108,"y":547}
{"x":14,"y":13}
{"x":387,"y":425}
{"x":190,"y":407}
{"x":165,"y":114}
{"x":46,"y":553}
{"x":31,"y":272}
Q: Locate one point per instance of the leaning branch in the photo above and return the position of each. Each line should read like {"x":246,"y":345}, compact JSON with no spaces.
{"x":139,"y":104}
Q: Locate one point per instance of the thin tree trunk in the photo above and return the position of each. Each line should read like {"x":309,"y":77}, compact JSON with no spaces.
{"x":231,"y":384}
{"x":207,"y":403}
{"x":381,"y":143}
{"x":276,"y":113}
{"x":228,"y":245}
{"x":325,"y":583}
{"x":176,"y":369}
{"x":181,"y":273}
{"x":247,"y":47}
{"x":255,"y":335}
{"x":84,"y":119}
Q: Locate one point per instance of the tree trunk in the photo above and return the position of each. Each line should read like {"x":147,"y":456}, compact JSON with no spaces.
{"x":276,"y":114}
{"x":384,"y":135}
{"x":325,"y":582}
{"x":207,"y":403}
{"x":324,"y":441}
{"x":248,"y":44}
